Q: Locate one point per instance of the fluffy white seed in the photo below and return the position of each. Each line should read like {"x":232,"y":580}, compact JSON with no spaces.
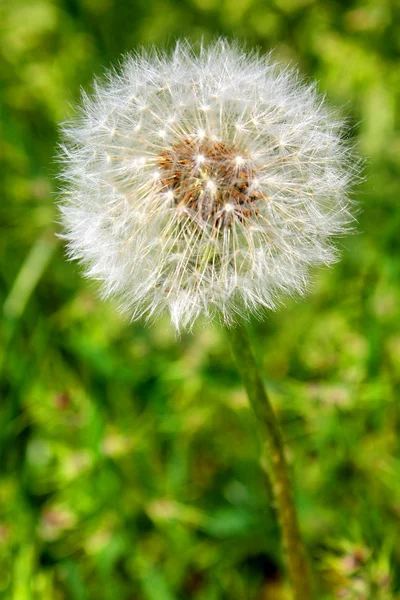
{"x":204,"y":182}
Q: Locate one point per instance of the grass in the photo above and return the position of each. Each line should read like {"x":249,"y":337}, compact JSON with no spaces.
{"x":129,"y":459}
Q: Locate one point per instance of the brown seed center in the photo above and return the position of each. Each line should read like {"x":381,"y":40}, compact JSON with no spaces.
{"x":209,"y":180}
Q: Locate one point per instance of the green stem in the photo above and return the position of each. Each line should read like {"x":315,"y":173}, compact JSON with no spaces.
{"x":277,"y":465}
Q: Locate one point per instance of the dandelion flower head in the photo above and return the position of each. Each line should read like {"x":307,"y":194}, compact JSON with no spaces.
{"x":204,"y":181}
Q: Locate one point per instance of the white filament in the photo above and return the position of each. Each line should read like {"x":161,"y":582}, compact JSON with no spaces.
{"x":155,"y":254}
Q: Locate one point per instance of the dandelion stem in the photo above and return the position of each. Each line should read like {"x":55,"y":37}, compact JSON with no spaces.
{"x":277,"y":465}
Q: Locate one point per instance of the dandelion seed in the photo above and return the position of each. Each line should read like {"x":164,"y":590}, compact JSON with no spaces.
{"x":220,"y":210}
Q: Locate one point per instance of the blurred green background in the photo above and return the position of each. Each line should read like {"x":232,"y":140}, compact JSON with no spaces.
{"x":129,"y":459}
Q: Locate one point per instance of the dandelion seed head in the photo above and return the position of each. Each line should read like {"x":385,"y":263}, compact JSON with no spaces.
{"x":205,"y":181}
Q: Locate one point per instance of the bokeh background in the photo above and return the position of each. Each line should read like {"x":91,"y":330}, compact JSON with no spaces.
{"x":129,"y":459}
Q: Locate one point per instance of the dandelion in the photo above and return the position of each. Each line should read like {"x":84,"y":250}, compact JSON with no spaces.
{"x":204,"y":183}
{"x":209,"y":182}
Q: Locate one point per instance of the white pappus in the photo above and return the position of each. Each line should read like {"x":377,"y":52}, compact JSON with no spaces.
{"x":204,"y":181}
